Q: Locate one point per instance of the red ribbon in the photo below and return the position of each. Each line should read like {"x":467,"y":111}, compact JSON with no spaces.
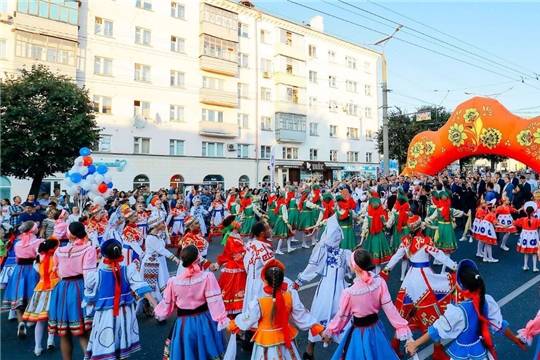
{"x":280,"y":201}
{"x":302,"y":199}
{"x":376,"y":221}
{"x":345,"y":205}
{"x":402,"y":215}
{"x":445,"y":212}
{"x":231,"y":200}
{"x":271,"y":199}
{"x":328,"y":209}
{"x":115,"y":266}
{"x":47,"y":269}
{"x":245,"y":203}
{"x":290,"y":195}
{"x":282,"y":318}
{"x":316,"y":195}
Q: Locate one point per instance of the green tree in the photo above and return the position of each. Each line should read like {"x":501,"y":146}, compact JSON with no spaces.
{"x":46,"y":119}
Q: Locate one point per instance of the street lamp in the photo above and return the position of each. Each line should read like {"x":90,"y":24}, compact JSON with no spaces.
{"x":386,"y":151}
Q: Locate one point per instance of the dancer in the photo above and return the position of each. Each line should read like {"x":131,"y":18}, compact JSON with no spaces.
{"x":329,"y":210}
{"x":293,"y":212}
{"x":423,"y":295}
{"x":306,"y":221}
{"x":528,"y":239}
{"x":366,"y":339}
{"x":480,"y":213}
{"x":96,"y":227}
{"x":398,"y":217}
{"x":132,"y":239}
{"x":332,"y":264}
{"x":431,"y":230}
{"x":504,"y":217}
{"x":487,"y":233}
{"x":248,"y":212}
{"x":38,"y":308}
{"x":532,"y":329}
{"x":194,"y":236}
{"x":178,"y":215}
{"x":142,"y":217}
{"x":373,"y":236}
{"x":469,"y":321}
{"x":282,"y":229}
{"x":217,"y":208}
{"x":198,"y":211}
{"x":108,"y":296}
{"x":201,"y":315}
{"x":345,"y":216}
{"x":61,"y":226}
{"x":270,"y":208}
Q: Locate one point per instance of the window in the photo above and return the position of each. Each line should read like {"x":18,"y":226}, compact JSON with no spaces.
{"x":367,"y":90}
{"x":212,"y":149}
{"x":178,"y":11}
{"x":141,"y":145}
{"x":313,"y":51}
{"x":144,"y":4}
{"x":265,"y":152}
{"x":176,"y":113}
{"x":332,"y":82}
{"x":350,"y":62}
{"x":104,"y":144}
{"x":313,"y":102}
{"x":220,"y":48}
{"x":367,"y":113}
{"x":352,"y":109}
{"x":178,"y":44}
{"x":313,"y":76}
{"x":59,"y":10}
{"x":290,"y":153}
{"x":243,"y":90}
{"x":333,"y":131}
{"x":313,"y":129}
{"x":213,"y":83}
{"x":266,"y":94}
{"x":5,"y":187}
{"x":243,"y":121}
{"x":102,"y":104}
{"x":333,"y":106}
{"x":331,"y":56}
{"x":45,"y":48}
{"x":141,"y":180}
{"x":103,"y":27}
{"x":292,"y":94}
{"x":143,"y":36}
{"x":242,"y":150}
{"x":369,"y":157}
{"x":266,"y":123}
{"x":313,"y":154}
{"x":291,"y":39}
{"x":3,"y":49}
{"x":142,"y":72}
{"x":369,"y":135}
{"x":243,"y":60}
{"x":351,"y":85}
{"x":212,"y":115}
{"x":352,"y":156}
{"x":243,"y":30}
{"x":177,"y":78}
{"x":352,"y":133}
{"x":367,"y":67}
{"x":176,"y":147}
{"x":220,"y":17}
{"x":142,"y":108}
{"x":333,"y":155}
{"x":266,"y":65}
{"x":266,"y":37}
{"x":294,"y":122}
{"x":102,"y":66}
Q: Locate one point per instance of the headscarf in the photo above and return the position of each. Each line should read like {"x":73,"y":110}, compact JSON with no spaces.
{"x":365,"y":275}
{"x":328,"y":206}
{"x":116,"y":270}
{"x":375,"y":214}
{"x":280,"y":201}
{"x":316,"y":193}
{"x":402,"y":212}
{"x":345,"y":206}
{"x":227,"y":231}
{"x":290,"y":196}
{"x":60,"y":218}
{"x":28,"y":234}
{"x":303,"y":198}
{"x":246,"y":201}
{"x":282,"y":318}
{"x":271,"y":199}
{"x":445,"y":204}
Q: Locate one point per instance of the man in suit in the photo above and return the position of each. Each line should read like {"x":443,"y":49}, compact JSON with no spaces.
{"x":527,"y":193}
{"x":508,"y":188}
{"x":481,"y":186}
{"x":513,"y":179}
{"x":499,"y":181}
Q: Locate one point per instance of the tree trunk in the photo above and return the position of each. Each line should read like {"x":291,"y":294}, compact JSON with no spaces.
{"x":493,"y":164}
{"x":36,"y":184}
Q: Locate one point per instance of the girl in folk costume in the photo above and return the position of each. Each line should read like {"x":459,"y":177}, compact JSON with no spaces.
{"x":469,"y":322}
{"x":332,"y":263}
{"x":487,"y":233}
{"x":282,"y":228}
{"x":217,"y":208}
{"x":157,"y":208}
{"x":7,"y":235}
{"x":235,"y":206}
{"x":373,"y":234}
{"x":329,"y":210}
{"x":275,"y":336}
{"x":430,"y":230}
{"x":178,"y":215}
{"x":132,"y":240}
{"x":306,"y":220}
{"x":292,"y":208}
{"x":316,"y":199}
{"x":480,"y":213}
{"x":108,"y":295}
{"x":201,"y":316}
{"x":231,"y":199}
{"x":73,"y":262}
{"x":38,"y":308}
{"x":61,"y":226}
{"x":528,"y":239}
{"x":198,"y":211}
{"x":272,"y":198}
{"x":398,"y":217}
{"x":504,"y":217}
{"x":248,"y":212}
{"x":233,"y":274}
{"x":532,"y":329}
{"x":142,"y":217}
{"x":423,"y":295}
{"x":345,"y":214}
{"x":194,"y":237}
{"x":95,"y":227}
{"x":24,"y":279}
{"x":8,"y":260}
{"x":366,"y":339}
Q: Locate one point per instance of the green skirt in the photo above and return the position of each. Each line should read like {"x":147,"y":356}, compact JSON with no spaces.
{"x":397,"y":236}
{"x":294,"y":217}
{"x":349,"y":240}
{"x":447,"y":237}
{"x":247,"y":225}
{"x":306,"y":219}
{"x":431,"y":232}
{"x":378,"y":246}
{"x":271,"y":216}
{"x":280,"y":230}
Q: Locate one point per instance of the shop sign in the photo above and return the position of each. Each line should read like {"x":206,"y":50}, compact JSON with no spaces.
{"x":314,"y":166}
{"x":117,"y":163}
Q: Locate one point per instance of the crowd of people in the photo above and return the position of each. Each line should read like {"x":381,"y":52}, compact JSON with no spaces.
{"x":89,"y":272}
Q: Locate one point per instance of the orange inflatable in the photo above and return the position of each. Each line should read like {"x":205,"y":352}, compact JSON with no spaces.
{"x":478,"y":126}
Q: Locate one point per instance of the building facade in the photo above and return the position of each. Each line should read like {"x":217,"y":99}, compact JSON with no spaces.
{"x":201,"y":91}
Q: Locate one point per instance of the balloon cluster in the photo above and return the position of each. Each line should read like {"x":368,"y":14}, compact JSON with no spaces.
{"x":88,"y":180}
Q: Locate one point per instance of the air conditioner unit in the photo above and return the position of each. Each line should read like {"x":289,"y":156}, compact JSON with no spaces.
{"x":266,"y":75}
{"x":231,"y":147}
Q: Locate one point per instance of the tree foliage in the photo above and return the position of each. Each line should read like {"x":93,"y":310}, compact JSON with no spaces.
{"x":46,"y":119}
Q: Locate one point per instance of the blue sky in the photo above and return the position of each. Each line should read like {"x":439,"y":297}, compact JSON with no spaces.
{"x":499,"y":32}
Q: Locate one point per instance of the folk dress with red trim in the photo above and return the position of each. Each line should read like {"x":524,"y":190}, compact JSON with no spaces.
{"x":487,"y":233}
{"x":233,"y":275}
{"x":132,"y":244}
{"x":504,"y":217}
{"x":528,"y":239}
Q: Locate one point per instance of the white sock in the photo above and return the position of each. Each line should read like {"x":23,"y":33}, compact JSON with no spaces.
{"x":505,"y":239}
{"x":480,"y":247}
{"x":289,"y":247}
{"x":50,"y":338}
{"x":377,"y":269}
{"x":404,"y":265}
{"x":535,"y":258}
{"x":38,"y":333}
{"x":487,"y":252}
{"x":526,"y":260}
{"x":279,"y":245}
{"x":304,"y":240}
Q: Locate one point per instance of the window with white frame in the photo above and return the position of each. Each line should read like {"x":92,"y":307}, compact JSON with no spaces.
{"x":212,"y":149}
{"x":350,"y":62}
{"x":369,"y":157}
{"x":312,"y":51}
{"x":332,"y":81}
{"x":178,"y":44}
{"x":266,"y":94}
{"x":3,"y":49}
{"x":313,"y":154}
{"x":142,"y":108}
{"x":243,"y":30}
{"x":291,"y":39}
{"x":243,"y":90}
{"x":331,"y":56}
{"x":66,"y":11}
{"x":213,"y":83}
{"x":220,"y":17}
{"x":333,"y":155}
{"x":313,"y":102}
{"x":369,"y":135}
{"x":294,"y":122}
{"x":266,"y":65}
{"x":351,"y":86}
{"x":102,"y":66}
{"x":312,"y":76}
{"x":243,"y":121}
{"x":102,"y":104}
{"x":266,"y":37}
{"x":266,"y":123}
{"x":243,"y":60}
{"x":242,"y":150}
{"x":177,"y":78}
{"x":103,"y":27}
{"x":367,"y":113}
{"x":178,"y":11}
{"x":144,"y":4}
{"x":333,"y":131}
{"x":143,"y":36}
{"x":367,"y":90}
{"x":212,"y":115}
{"x":220,"y":48}
{"x":333,"y":106}
{"x":352,"y":109}
{"x":290,"y":153}
{"x":352,"y":133}
{"x":367,"y":67}
{"x":265,"y":151}
{"x":141,"y":145}
{"x":352,"y":156}
{"x":45,"y":48}
{"x":142,"y":72}
{"x":104,"y":144}
{"x":176,"y":113}
{"x":292,"y":94}
{"x":176,"y":147}
{"x":313,"y":129}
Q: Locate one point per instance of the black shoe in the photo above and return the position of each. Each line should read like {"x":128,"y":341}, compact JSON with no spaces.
{"x":306,"y":356}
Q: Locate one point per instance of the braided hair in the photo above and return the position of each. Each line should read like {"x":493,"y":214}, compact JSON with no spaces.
{"x":113,"y":251}
{"x":274,"y":277}
{"x":473,"y":281}
{"x":529,"y":210}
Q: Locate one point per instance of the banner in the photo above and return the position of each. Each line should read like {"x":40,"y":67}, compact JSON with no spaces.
{"x":272,"y":168}
{"x":423,"y":116}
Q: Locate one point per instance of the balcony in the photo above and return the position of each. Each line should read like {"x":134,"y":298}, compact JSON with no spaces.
{"x":221,"y":32}
{"x":218,"y":129}
{"x":284,"y":106}
{"x":46,"y":26}
{"x":218,"y":66}
{"x":218,"y":97}
{"x":290,"y":79}
{"x":290,"y":136}
{"x":289,"y":51}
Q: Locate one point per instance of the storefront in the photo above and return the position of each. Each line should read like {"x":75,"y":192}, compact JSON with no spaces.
{"x":243,"y":181}
{"x":177,"y":181}
{"x":359,"y":171}
{"x":141,"y":180}
{"x":214,"y":180}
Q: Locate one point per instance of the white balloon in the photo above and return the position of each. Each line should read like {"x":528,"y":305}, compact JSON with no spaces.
{"x":83,"y":170}
{"x":91,"y":195}
{"x":72,"y":190}
{"x":107,"y":178}
{"x":86,"y":185}
{"x":68,"y":182}
{"x":90,"y":178}
{"x":98,"y":178}
{"x":74,"y":169}
{"x":98,"y":200}
{"x":79,"y":161}
{"x":94,"y":189}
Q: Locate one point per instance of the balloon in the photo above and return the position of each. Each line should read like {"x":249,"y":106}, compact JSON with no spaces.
{"x":110,"y":185}
{"x":83,"y":192}
{"x":91,"y":169}
{"x":72,"y":190}
{"x":86,"y":185}
{"x":91,"y":195}
{"x":98,"y":178}
{"x":84,"y":151}
{"x":67,"y":174}
{"x":102,"y":188}
{"x":94,"y":189}
{"x":83,"y":170}
{"x":90,"y":178}
{"x":75,"y":178}
{"x":68,"y":182}
{"x":78,"y":161}
{"x":87,"y":160}
{"x":107,"y":178}
{"x":99,"y":200}
{"x":102,"y":169}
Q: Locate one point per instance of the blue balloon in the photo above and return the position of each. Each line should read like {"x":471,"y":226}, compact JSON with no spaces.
{"x":75,"y":178}
{"x":84,"y":192}
{"x":91,"y":169}
{"x":102,"y":169}
{"x":84,"y":151}
{"x":67,"y":174}
{"x":110,"y":185}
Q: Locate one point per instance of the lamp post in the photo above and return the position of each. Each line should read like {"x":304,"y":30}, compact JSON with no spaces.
{"x":386,"y":151}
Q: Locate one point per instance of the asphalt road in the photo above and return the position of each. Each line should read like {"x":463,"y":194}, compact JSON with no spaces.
{"x":515,"y":290}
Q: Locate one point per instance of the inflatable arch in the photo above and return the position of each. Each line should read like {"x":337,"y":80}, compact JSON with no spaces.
{"x":478,"y":126}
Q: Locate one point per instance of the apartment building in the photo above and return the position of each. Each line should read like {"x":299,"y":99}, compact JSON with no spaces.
{"x":201,"y":91}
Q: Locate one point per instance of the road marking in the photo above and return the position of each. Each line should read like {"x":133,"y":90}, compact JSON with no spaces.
{"x":424,"y":354}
